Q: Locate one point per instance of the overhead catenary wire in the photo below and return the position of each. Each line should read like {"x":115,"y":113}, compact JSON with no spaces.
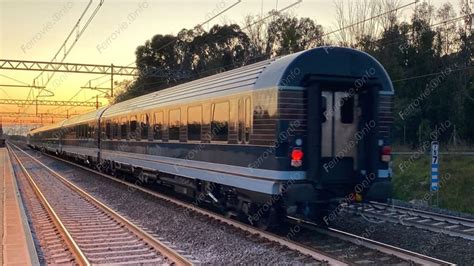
{"x":63,"y":49}
{"x":198,"y":26}
{"x":365,"y":20}
{"x":272,"y":13}
{"x":393,"y":41}
{"x":433,"y":74}
{"x":368,"y":19}
{"x":332,"y":32}
{"x":78,"y":35}
{"x":14,"y":79}
{"x":326,"y":34}
{"x":63,"y":45}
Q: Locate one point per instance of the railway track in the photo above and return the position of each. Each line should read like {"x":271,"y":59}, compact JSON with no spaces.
{"x":371,"y":244}
{"x":269,"y":237}
{"x":79,"y":229}
{"x":435,"y":222}
{"x":55,"y":249}
{"x":365,"y":247}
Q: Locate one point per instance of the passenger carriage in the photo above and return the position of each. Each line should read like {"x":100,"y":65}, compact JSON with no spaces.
{"x":288,"y":135}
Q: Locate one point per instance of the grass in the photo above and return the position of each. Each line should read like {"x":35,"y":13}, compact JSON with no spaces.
{"x":412,"y":177}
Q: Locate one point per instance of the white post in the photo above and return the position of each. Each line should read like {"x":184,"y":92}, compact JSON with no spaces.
{"x":435,"y":168}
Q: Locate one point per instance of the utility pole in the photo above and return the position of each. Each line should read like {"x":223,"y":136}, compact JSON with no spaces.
{"x":111,"y":81}
{"x":1,"y":128}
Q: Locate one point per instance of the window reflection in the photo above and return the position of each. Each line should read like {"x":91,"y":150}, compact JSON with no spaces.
{"x":174,"y":123}
{"x":158,"y":126}
{"x":248,"y":119}
{"x":220,"y":121}
{"x":134,"y":130}
{"x":144,"y":126}
{"x":194,"y":122}
{"x":123,"y":128}
{"x":115,"y":129}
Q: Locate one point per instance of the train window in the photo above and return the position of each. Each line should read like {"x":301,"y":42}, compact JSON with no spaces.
{"x":248,"y":119}
{"x":91,"y":131}
{"x":241,"y":121}
{"x":123,"y":128}
{"x":347,"y":110}
{"x":174,"y":123}
{"x":115,"y":128}
{"x":220,"y":121}
{"x":108,"y":130}
{"x":144,"y":126}
{"x":134,"y":130}
{"x":158,"y":126}
{"x":194,"y":122}
{"x":324,"y":107}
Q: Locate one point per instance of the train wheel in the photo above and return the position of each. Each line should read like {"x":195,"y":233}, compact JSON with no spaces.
{"x":271,"y":218}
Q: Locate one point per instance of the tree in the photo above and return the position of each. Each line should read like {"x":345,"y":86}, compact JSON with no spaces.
{"x":222,"y":48}
{"x":350,"y":13}
{"x":288,"y":35}
{"x":256,"y":30}
{"x":167,"y":60}
{"x":407,"y":50}
{"x":446,"y":31}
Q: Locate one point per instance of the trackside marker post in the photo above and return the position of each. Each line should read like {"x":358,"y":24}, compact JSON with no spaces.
{"x":435,"y":168}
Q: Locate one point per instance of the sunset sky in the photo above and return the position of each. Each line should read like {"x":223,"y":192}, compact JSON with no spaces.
{"x":34,"y":30}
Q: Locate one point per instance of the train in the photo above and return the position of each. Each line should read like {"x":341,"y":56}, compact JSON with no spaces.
{"x":295,"y":136}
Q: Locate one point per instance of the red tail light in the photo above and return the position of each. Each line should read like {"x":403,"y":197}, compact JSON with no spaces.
{"x":296,"y":157}
{"x":386,"y":153}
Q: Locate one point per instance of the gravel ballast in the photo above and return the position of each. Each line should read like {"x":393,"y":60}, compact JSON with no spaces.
{"x":189,"y":232}
{"x":213,"y":242}
{"x":452,"y":249}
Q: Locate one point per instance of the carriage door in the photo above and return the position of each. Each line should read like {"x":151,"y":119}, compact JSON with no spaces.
{"x":338,"y":135}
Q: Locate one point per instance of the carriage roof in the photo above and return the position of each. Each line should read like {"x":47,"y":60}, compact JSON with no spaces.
{"x":285,"y":71}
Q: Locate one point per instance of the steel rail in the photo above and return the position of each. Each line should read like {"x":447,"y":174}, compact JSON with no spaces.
{"x":440,"y":223}
{"x":433,"y":215}
{"x":70,"y":242}
{"x":313,"y":252}
{"x":146,"y":237}
{"x":34,"y":259}
{"x":355,"y":239}
{"x":372,"y":244}
{"x":358,"y":240}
